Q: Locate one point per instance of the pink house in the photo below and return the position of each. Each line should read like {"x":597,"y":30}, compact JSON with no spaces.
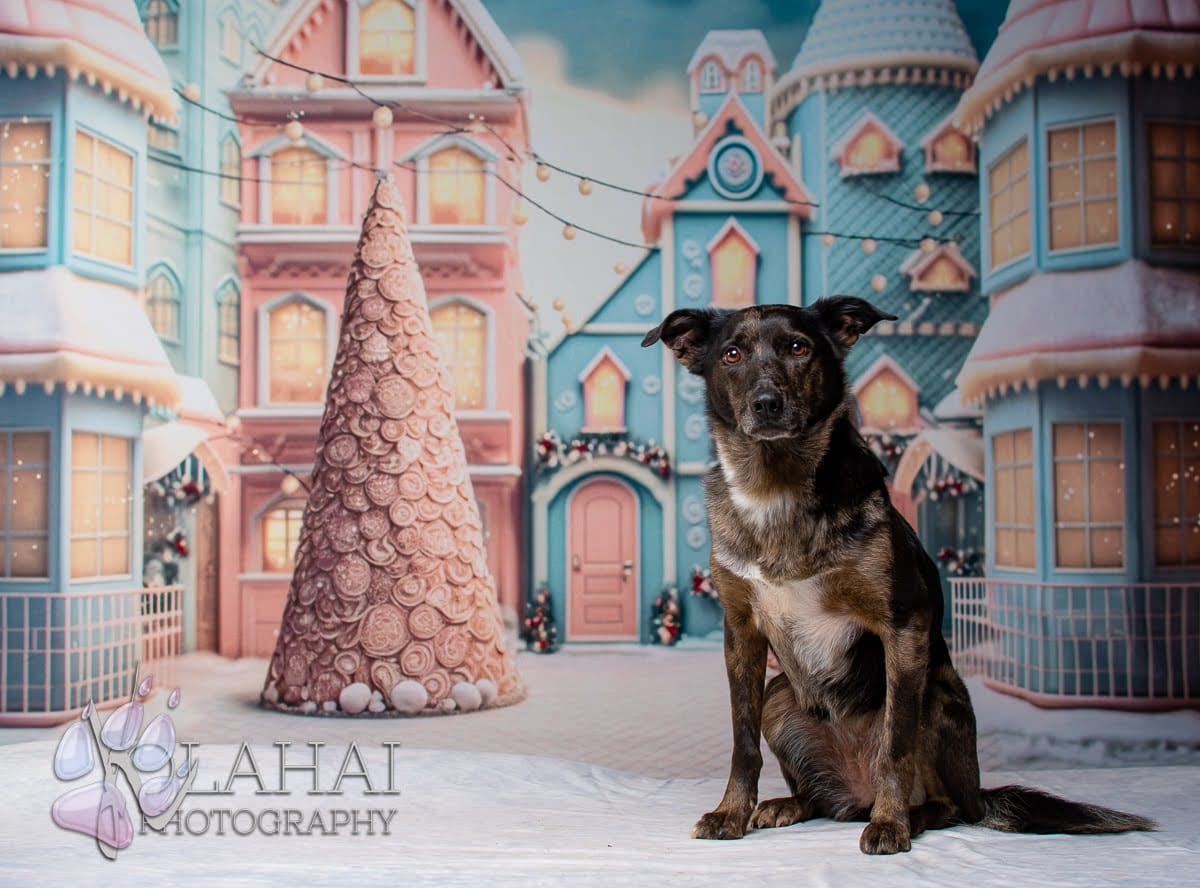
{"x":440,"y":65}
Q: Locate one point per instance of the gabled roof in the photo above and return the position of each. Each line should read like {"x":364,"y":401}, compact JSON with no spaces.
{"x":866,"y":120}
{"x":883,"y":363}
{"x":309,"y":139}
{"x":730,"y":47}
{"x":917,"y":263}
{"x":733,"y":225}
{"x":450,"y":140}
{"x":692,"y":166}
{"x":605,"y":354}
{"x":104,"y":41}
{"x":949,"y":122}
{"x":480,"y":24}
{"x":1045,"y":37}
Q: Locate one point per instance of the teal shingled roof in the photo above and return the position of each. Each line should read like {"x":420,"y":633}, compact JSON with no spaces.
{"x":847,"y":34}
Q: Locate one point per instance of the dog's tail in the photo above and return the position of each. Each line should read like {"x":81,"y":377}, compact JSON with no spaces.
{"x":1023,"y":810}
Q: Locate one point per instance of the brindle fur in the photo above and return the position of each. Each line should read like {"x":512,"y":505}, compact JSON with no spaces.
{"x":869,"y":720}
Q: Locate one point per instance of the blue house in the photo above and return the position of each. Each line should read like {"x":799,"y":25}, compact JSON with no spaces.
{"x":80,"y":365}
{"x":1087,"y":364}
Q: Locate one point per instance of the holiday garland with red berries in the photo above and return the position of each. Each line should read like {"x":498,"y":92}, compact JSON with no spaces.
{"x":552,"y":453}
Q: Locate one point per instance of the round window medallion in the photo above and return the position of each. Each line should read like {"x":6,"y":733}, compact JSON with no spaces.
{"x":735,"y":168}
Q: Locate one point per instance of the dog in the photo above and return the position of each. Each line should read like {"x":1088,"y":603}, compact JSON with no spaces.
{"x":869,"y":719}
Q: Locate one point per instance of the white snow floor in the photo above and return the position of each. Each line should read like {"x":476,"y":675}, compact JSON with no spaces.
{"x":472,"y":818}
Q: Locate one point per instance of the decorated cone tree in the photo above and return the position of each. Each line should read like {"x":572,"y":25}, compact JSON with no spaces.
{"x":391,"y":606}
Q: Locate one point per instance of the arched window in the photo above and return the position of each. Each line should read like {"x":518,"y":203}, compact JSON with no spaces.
{"x":231,"y":171}
{"x":281,"y":536}
{"x":229,"y":324}
{"x":387,"y":38}
{"x":162,"y":304}
{"x":604,"y":382}
{"x":734,"y":259}
{"x":231,"y":38}
{"x":299,"y":187}
{"x":456,"y":187}
{"x":461,"y":331}
{"x":162,"y":23}
{"x":297,"y":346}
{"x":887,"y":398}
{"x":712,"y":77}
{"x":752,"y":77}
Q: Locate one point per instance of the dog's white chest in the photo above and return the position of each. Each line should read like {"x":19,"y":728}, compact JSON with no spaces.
{"x":792,"y":614}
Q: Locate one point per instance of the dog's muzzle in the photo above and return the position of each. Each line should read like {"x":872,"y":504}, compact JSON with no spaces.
{"x":765,"y":419}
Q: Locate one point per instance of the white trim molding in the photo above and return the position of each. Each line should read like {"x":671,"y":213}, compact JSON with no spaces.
{"x":262,"y":362}
{"x":421,"y":154}
{"x":418,"y":76}
{"x":489,"y":358}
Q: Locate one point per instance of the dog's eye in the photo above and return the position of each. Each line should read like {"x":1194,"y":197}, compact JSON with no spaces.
{"x":799,"y":349}
{"x":733,"y":354}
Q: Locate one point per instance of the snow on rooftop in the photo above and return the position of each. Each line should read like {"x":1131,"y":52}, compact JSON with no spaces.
{"x":731,"y":47}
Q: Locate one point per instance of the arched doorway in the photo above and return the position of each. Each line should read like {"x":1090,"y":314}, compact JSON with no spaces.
{"x":602,"y":562}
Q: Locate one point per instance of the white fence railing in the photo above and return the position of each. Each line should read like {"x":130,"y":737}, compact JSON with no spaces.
{"x":60,"y":650}
{"x":1121,"y":645}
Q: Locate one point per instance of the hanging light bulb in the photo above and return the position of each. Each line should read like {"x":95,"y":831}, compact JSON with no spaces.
{"x":569,"y":232}
{"x":566,"y":322}
{"x":543,"y":172}
{"x":921,"y":192}
{"x":935,"y":217}
{"x":294,"y":130}
{"x":557,"y":305}
{"x":585,"y":186}
{"x":290,"y":485}
{"x":620,"y":268}
{"x":827,"y":239}
{"x":699,"y":119}
{"x":519,"y":216}
{"x":878,"y":283}
{"x":869,"y":245}
{"x":191,"y":92}
{"x":233,"y":423}
{"x":382,"y":117}
{"x":314,"y":82}
{"x":928,"y":245}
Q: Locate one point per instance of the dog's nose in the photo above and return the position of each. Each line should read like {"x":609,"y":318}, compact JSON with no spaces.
{"x":767,"y":406}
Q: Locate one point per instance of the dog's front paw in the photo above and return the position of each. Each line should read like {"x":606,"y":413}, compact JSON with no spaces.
{"x":779,"y":812}
{"x":885,"y":837}
{"x":722,"y":825}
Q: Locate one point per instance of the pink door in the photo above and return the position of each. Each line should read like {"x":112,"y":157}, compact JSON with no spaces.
{"x":602,"y":600}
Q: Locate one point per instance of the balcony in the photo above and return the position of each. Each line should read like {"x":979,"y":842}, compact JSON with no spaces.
{"x":60,"y":650}
{"x":1106,"y":645}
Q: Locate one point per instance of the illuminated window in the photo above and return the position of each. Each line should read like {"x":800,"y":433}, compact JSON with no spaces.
{"x":24,"y":183}
{"x":1177,"y":493}
{"x":604,"y":381}
{"x":162,"y":304}
{"x":456,"y":187}
{"x":231,"y":171}
{"x":1082,"y":172}
{"x":868,"y":147}
{"x":162,"y":137}
{"x":103,"y":218}
{"x":296,"y":368}
{"x":734,"y":260}
{"x":712,"y":77}
{"x":944,"y":270}
{"x":229,"y":324}
{"x":281,"y":537}
{"x":1008,"y":209}
{"x":1175,"y":184}
{"x":887,"y":397}
{"x":461,"y":331}
{"x":387,"y":39}
{"x":752,"y":77}
{"x":101,"y":505}
{"x":299,"y":187}
{"x":24,"y":504}
{"x":162,"y":23}
{"x":231,"y":38}
{"x":1089,"y":495}
{"x":1012,"y":499}
{"x":948,"y":150}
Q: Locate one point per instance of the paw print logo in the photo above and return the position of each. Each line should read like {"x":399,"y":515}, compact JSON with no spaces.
{"x":99,"y":809}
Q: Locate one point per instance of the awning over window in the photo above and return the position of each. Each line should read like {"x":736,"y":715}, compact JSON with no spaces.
{"x":961,"y":448}
{"x":164,"y":447}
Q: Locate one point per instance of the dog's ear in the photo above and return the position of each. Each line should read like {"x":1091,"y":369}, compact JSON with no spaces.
{"x":847,"y":317}
{"x":686,"y":332}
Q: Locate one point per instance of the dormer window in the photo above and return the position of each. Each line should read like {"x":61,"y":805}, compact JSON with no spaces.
{"x":733,"y":256}
{"x":948,"y":150}
{"x":887,"y":398}
{"x":944,"y":270}
{"x":752,"y":76}
{"x":604,"y":383}
{"x":712,"y":77}
{"x":454,"y":185}
{"x":384,"y":38}
{"x":868,"y":147}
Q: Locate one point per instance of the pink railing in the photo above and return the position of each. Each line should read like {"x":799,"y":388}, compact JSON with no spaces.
{"x":60,"y":650}
{"x":1121,"y":645}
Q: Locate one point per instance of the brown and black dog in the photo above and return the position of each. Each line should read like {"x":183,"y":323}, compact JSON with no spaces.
{"x":869,"y":719}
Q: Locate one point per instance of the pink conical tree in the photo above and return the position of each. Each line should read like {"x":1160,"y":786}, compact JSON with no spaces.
{"x":391,"y":606}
